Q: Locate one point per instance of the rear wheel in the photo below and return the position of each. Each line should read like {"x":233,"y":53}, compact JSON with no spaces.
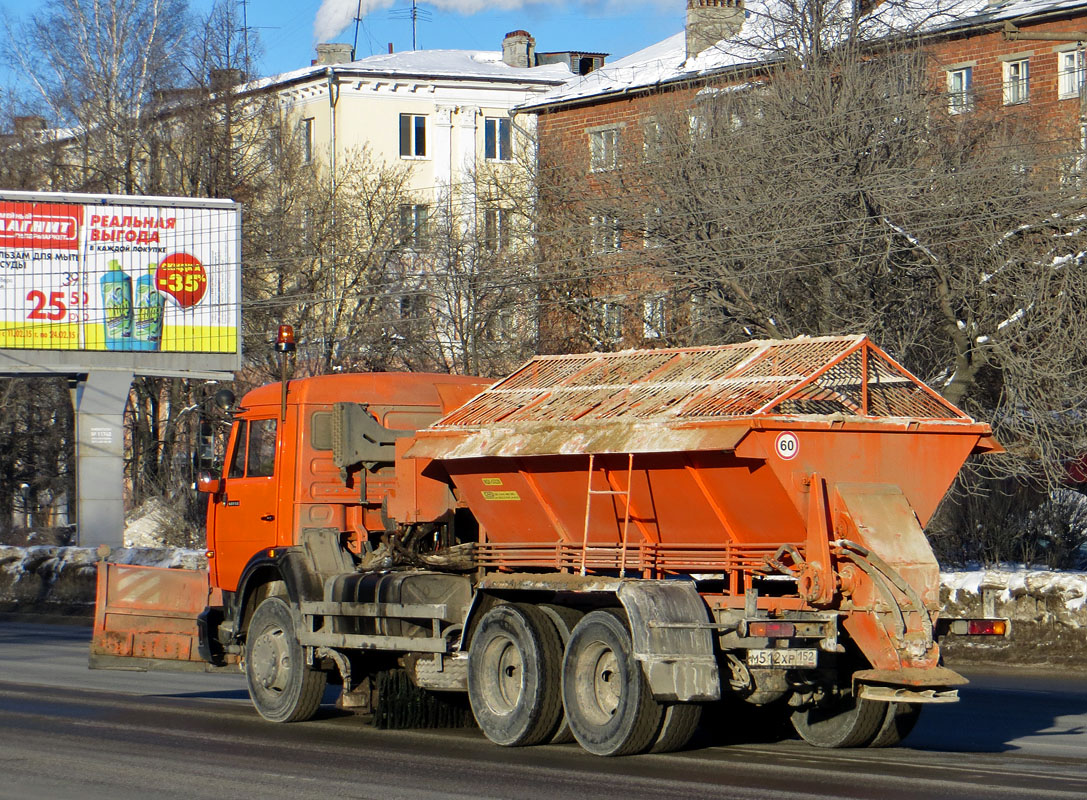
{"x":609,"y":706}
{"x":678,"y":726}
{"x":282,"y":686}
{"x":564,"y":620}
{"x":514,"y":676}
{"x":845,"y":721}
{"x":898,"y":721}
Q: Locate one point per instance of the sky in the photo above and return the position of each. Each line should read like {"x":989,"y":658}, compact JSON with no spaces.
{"x":290,"y":28}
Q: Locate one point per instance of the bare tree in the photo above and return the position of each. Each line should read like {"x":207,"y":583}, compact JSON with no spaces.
{"x":321,"y":256}
{"x":843,"y":197}
{"x":479,"y":283}
{"x":95,"y":65}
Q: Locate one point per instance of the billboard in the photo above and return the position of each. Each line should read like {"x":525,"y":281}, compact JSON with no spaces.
{"x":105,"y":274}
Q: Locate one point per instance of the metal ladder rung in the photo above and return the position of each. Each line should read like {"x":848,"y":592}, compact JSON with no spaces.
{"x":589,"y":492}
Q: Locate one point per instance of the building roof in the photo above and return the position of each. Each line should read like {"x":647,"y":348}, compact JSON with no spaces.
{"x":482,"y":65}
{"x":765,"y":36}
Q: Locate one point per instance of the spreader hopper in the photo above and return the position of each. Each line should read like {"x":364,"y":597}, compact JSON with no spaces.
{"x":804,"y":470}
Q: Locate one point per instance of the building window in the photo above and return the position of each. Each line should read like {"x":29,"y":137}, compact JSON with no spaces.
{"x":653,"y":316}
{"x":605,"y":233}
{"x":960,"y":90}
{"x":497,"y":139}
{"x":412,"y":135}
{"x":308,"y":233}
{"x":609,"y":320}
{"x":1016,"y":82}
{"x":307,"y":140}
{"x":653,"y":139}
{"x":413,"y":226}
{"x":603,"y":149}
{"x":654,"y":228}
{"x":1069,"y":74}
{"x":496,"y":229}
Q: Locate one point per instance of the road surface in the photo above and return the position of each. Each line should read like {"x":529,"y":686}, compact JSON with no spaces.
{"x":67,"y":732}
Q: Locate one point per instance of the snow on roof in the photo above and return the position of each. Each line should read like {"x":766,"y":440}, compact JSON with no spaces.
{"x":766,"y":33}
{"x":457,"y":64}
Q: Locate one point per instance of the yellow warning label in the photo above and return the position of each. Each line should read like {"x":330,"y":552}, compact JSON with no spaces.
{"x":508,"y":495}
{"x":492,"y":481}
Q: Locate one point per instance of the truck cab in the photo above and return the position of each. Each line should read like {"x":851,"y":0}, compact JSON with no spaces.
{"x":281,"y":474}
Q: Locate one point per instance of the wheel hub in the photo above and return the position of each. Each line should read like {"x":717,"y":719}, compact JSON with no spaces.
{"x":271,"y":660}
{"x":606,"y":682}
{"x":509,"y":674}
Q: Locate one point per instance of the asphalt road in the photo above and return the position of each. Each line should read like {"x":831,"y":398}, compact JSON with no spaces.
{"x":67,"y":732}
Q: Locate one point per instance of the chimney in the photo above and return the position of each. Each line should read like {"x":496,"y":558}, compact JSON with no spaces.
{"x":334,"y":53}
{"x":28,"y":125}
{"x":519,"y":49}
{"x":710,"y":21}
{"x":222,"y":79}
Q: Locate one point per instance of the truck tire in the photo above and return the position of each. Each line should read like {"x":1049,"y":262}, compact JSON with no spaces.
{"x":677,"y":727}
{"x":514,"y":668}
{"x":609,"y":706}
{"x":282,"y":686}
{"x":564,"y":619}
{"x":845,"y":722}
{"x":897,"y":724}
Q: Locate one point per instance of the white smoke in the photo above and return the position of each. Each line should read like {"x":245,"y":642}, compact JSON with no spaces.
{"x":335,"y":16}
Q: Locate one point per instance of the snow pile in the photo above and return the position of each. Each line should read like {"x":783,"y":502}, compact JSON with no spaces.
{"x":1023,"y":594}
{"x":157,"y":524}
{"x":33,"y":578}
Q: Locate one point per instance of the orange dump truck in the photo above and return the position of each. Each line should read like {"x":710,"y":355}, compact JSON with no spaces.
{"x":598,"y":547}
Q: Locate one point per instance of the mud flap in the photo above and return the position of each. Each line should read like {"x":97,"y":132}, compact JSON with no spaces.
{"x":145,"y":618}
{"x":670,"y":628}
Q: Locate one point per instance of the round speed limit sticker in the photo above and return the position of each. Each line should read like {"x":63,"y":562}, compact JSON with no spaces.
{"x":786,"y":446}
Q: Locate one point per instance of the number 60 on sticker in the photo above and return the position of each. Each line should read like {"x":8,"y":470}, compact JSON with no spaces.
{"x":787,"y":446}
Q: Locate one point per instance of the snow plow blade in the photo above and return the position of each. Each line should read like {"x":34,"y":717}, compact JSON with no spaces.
{"x":145,"y":618}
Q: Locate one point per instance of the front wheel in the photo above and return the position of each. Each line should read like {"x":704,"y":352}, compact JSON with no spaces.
{"x":282,"y":686}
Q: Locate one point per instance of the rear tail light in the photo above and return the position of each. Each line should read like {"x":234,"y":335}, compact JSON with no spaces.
{"x":977,"y":627}
{"x":986,"y":627}
{"x":771,"y":630}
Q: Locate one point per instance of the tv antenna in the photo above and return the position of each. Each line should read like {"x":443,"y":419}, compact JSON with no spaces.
{"x":358,"y":21}
{"x":415,"y":14}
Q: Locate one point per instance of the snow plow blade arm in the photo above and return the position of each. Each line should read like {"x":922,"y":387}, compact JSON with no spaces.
{"x":145,"y":618}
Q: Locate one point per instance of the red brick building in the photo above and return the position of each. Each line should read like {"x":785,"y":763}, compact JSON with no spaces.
{"x":1020,"y":57}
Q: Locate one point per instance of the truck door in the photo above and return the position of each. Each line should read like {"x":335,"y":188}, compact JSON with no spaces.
{"x":243,"y":519}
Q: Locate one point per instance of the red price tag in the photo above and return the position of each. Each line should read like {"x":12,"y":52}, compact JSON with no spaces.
{"x":182,"y":277}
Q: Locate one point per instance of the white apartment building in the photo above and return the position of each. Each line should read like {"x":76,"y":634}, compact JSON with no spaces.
{"x":441,"y":110}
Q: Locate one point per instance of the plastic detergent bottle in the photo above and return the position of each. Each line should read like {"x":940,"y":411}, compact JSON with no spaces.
{"x":150,"y":304}
{"x":117,"y":305}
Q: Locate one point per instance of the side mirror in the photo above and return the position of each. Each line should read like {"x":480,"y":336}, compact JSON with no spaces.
{"x":224,"y":398}
{"x":208,"y":483}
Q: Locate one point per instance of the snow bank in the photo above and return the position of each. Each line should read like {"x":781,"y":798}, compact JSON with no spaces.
{"x":57,"y":578}
{"x":1022,"y":594}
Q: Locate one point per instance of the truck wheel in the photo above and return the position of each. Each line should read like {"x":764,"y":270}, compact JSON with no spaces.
{"x":609,"y":706}
{"x":844,"y":722}
{"x":898,"y":721}
{"x":678,"y":726}
{"x":564,"y":619}
{"x":514,"y":666}
{"x":283,"y":688}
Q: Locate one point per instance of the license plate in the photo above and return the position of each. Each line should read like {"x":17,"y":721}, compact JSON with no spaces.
{"x":783,"y":658}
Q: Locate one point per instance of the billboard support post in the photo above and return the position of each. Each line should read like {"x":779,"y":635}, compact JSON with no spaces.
{"x":99,"y":401}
